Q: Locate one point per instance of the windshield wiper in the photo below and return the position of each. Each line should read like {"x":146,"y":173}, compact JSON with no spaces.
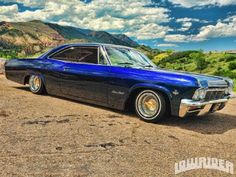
{"x":148,"y":66}
{"x":125,"y":63}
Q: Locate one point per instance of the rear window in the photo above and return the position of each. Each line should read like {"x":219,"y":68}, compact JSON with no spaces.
{"x":78,"y":54}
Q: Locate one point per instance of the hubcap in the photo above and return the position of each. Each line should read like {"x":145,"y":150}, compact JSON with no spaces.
{"x":35,"y":83}
{"x":148,"y":105}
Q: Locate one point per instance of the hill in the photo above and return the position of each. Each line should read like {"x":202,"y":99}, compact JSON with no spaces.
{"x":27,"y":38}
{"x":71,"y":33}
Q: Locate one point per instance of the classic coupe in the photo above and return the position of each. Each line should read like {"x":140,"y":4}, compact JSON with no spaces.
{"x":122,"y":78}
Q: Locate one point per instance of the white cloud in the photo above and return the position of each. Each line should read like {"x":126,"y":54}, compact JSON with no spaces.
{"x":167,"y":45}
{"x":7,"y":13}
{"x":149,"y":31}
{"x":185,"y":26}
{"x":132,"y":17}
{"x":186,"y":19}
{"x":28,"y":3}
{"x":5,"y":10}
{"x":176,"y":38}
{"x":195,"y":3}
{"x":221,"y":29}
{"x":187,"y":23}
{"x":224,"y":28}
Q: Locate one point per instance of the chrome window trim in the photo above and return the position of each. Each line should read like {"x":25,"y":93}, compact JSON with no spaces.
{"x":84,"y":63}
{"x":58,"y":52}
{"x":98,"y":58}
{"x":68,"y":48}
{"x":106,"y":55}
{"x":124,"y":47}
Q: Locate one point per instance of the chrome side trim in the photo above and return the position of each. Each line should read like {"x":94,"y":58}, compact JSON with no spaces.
{"x":201,"y":106}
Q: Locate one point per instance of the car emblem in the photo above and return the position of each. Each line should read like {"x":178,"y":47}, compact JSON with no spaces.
{"x":117,"y":92}
{"x":175,"y":92}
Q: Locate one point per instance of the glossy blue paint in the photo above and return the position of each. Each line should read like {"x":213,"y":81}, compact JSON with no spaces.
{"x":105,"y":85}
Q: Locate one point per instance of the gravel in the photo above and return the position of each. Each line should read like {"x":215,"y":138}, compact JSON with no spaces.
{"x":51,"y":136}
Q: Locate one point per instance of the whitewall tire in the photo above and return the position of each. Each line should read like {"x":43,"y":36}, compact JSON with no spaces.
{"x":150,"y":106}
{"x":36,"y":84}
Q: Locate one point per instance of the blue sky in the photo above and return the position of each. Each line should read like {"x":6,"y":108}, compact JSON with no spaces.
{"x":163,"y":24}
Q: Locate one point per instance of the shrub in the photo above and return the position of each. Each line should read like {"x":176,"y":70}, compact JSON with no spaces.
{"x":232,"y":65}
{"x":225,"y":73}
{"x":231,"y":58}
{"x":222,"y":59}
{"x":199,"y":58}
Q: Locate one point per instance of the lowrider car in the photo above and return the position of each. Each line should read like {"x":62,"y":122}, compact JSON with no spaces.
{"x":120,"y":77}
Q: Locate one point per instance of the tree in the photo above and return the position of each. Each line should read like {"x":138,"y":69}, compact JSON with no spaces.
{"x":200,"y":61}
{"x":184,"y":61}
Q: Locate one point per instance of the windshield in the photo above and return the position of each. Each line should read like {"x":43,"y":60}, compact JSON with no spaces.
{"x":128,"y":58}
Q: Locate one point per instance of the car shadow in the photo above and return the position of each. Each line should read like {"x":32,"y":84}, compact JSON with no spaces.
{"x":24,"y":88}
{"x":216,"y":123}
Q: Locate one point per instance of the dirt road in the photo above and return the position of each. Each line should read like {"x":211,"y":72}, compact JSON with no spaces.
{"x":50,"y":136}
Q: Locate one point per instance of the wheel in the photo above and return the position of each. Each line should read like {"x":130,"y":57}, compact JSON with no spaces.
{"x":150,"y":106}
{"x":36,"y":84}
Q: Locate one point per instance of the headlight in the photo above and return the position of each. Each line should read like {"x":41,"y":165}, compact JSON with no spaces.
{"x":228,"y":90}
{"x":231,"y":82}
{"x":199,"y":94}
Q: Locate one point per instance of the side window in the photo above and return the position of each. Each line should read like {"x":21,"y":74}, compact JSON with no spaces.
{"x":78,"y":54}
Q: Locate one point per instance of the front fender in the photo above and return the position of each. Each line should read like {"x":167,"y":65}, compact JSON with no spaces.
{"x":173,"y":99}
{"x":152,"y":87}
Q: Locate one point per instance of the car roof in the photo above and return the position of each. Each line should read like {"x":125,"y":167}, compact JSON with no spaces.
{"x":95,"y":44}
{"x":79,"y":45}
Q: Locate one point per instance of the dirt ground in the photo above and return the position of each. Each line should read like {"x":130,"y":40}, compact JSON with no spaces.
{"x":50,"y":136}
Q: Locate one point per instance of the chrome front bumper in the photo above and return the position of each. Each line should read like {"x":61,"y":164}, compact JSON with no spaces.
{"x":188,"y":106}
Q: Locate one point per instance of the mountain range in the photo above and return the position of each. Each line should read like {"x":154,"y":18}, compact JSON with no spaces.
{"x":34,"y":36}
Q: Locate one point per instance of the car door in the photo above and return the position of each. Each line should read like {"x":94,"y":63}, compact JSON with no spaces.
{"x":84,"y":73}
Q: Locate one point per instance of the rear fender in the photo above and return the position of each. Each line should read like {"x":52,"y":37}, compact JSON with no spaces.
{"x":30,"y":72}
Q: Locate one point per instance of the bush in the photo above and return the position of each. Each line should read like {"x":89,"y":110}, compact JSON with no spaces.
{"x":225,"y":73}
{"x":231,"y":58}
{"x":222,"y":59}
{"x":199,"y":58}
{"x":232,"y":65}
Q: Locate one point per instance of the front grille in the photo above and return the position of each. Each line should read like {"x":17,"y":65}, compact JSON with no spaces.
{"x":214,"y":95}
{"x":217,"y":83}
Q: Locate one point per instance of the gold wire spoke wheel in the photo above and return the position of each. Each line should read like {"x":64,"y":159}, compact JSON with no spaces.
{"x":148,"y":105}
{"x":35,"y":83}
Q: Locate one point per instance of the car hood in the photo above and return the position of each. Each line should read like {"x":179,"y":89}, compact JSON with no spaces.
{"x":202,"y":79}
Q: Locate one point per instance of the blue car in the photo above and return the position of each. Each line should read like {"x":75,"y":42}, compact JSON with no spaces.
{"x":122,"y":78}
